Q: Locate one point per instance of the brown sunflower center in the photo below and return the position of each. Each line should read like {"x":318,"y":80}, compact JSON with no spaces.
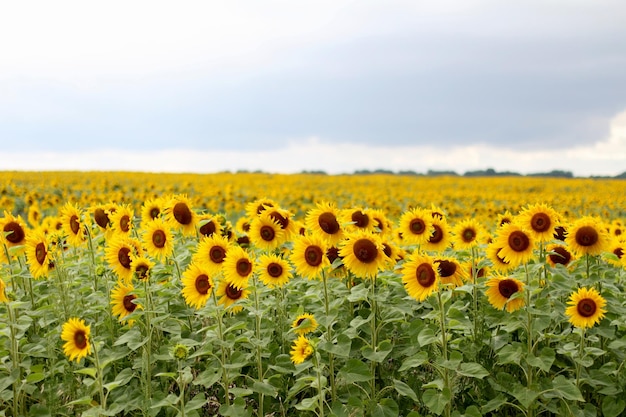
{"x":80,"y":339}
{"x":313,"y":255}
{"x":387,"y":250}
{"x":619,"y":252}
{"x":244,"y":267}
{"x":540,"y":222}
{"x":208,"y":228}
{"x":507,"y":287}
{"x":101,"y":218}
{"x":217,"y":254}
{"x":328,"y":223}
{"x":446,"y":268}
{"x":299,"y":321}
{"x":154,"y":212}
{"x":332,"y":254}
{"x":437,"y":235}
{"x":274,"y":270}
{"x":40,"y":253}
{"x":16,"y":233}
{"x":125,"y":223}
{"x":587,"y":236}
{"x":586,"y":307}
{"x":202,"y":284}
{"x":159,"y":239}
{"x":123,"y":255}
{"x":505,"y":220}
{"x":360,"y":219}
{"x":142,"y":271}
{"x":365,"y":250}
{"x":417,"y":226}
{"x":560,"y":256}
{"x":559,"y":233}
{"x":519,"y":241}
{"x":267,"y":233}
{"x":74,"y":224}
{"x":128,"y":303}
{"x":468,"y":235}
{"x":232,"y":292}
{"x":500,"y":258}
{"x":182,"y":213}
{"x":425,"y":275}
{"x":280,"y":219}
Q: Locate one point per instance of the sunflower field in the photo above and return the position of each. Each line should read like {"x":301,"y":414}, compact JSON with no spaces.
{"x":252,"y":294}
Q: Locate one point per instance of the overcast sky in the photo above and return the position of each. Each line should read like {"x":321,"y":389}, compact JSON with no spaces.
{"x":285,"y":86}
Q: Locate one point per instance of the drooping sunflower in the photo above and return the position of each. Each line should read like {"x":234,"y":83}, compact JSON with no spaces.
{"x":303,"y":324}
{"x":517,"y":244}
{"x":228,"y":294}
{"x":586,"y":308}
{"x":38,"y":253}
{"x":212,"y":251}
{"x":273,"y":270}
{"x":197,"y":286}
{"x":151,"y":209}
{"x":323,"y":220}
{"x":362,"y":254}
{"x":238,"y":267}
{"x":180,"y":214}
{"x":122,"y":219}
{"x":208,"y":225}
{"x":300,"y":350}
{"x":122,"y":301}
{"x":499,"y":291}
{"x":420,"y":276}
{"x":3,"y":295}
{"x":13,"y":230}
{"x":73,"y":225}
{"x":141,"y":267}
{"x":467,"y":233}
{"x":308,"y":256}
{"x":118,"y":254}
{"x":415,"y":226}
{"x":587,"y":236}
{"x":540,"y":220}
{"x":450,"y":271}
{"x":559,"y":254}
{"x":498,"y":263}
{"x":266,"y":233}
{"x":75,"y":334}
{"x":439,"y":238}
{"x":158,"y":239}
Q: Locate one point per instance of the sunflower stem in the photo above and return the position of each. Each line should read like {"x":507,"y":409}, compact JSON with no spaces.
{"x":581,"y":352}
{"x":15,"y":360}
{"x":99,"y":370}
{"x":329,"y":338}
{"x":93,"y":260}
{"x":529,"y":338}
{"x":257,"y":322}
{"x":320,"y":390}
{"x":444,"y":348}
{"x":475,"y":293}
{"x":373,"y":337}
{"x":181,"y":386}
{"x":148,"y":346}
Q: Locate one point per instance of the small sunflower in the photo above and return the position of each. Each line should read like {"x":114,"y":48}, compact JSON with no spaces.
{"x":362,"y":254}
{"x":308,"y":256}
{"x":180,"y":215}
{"x":266,"y":233}
{"x":357,"y":218}
{"x":141,"y":267}
{"x":517,"y":244}
{"x":242,"y":226}
{"x":75,"y":334}
{"x":273,"y":270}
{"x":38,"y":254}
{"x":420,"y":276}
{"x":152,"y":209}
{"x":34,"y":215}
{"x":415,"y":226}
{"x":381,"y":223}
{"x":501,"y":289}
{"x":158,"y":239}
{"x":303,"y":324}
{"x":558,"y":254}
{"x":73,"y":227}
{"x":323,"y":220}
{"x":450,"y":271}
{"x":586,"y":308}
{"x":101,"y":216}
{"x":504,"y":218}
{"x":238,"y":267}
{"x":212,"y":251}
{"x":256,"y":207}
{"x":13,"y":230}
{"x":228,"y":295}
{"x":208,"y":225}
{"x":122,"y":219}
{"x":587,"y":236}
{"x":466,"y":234}
{"x":439,"y":238}
{"x":122,"y":301}
{"x":118,"y":254}
{"x":540,"y":220}
{"x":301,"y":350}
{"x":283,"y":218}
{"x":617,"y":248}
{"x":498,"y":263}
{"x":197,"y":286}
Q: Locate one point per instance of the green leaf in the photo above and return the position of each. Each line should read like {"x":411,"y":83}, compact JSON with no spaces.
{"x":196,"y":402}
{"x":264,"y":388}
{"x":308,"y":404}
{"x":544,"y":361}
{"x":120,"y":380}
{"x":405,"y":390}
{"x":566,"y":389}
{"x":414,"y":361}
{"x":236,"y":409}
{"x":524,"y":395}
{"x":208,"y":377}
{"x":493,"y":404}
{"x":340,"y":349}
{"x":172,"y":375}
{"x":378,"y":355}
{"x":426,"y":337}
{"x":355,"y":371}
{"x":472,"y":411}
{"x":241,"y":392}
{"x":510,"y":354}
{"x":87,"y":371}
{"x":472,"y":370}
{"x":38,"y":410}
{"x":435,"y":400}
{"x":612,"y":407}
{"x":35,"y":377}
{"x":386,"y":408}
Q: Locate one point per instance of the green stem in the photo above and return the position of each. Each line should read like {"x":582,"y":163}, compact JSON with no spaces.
{"x":259,"y":359}
{"x":100,"y":371}
{"x":225,"y":380}
{"x":15,"y":360}
{"x":329,"y":337}
{"x":373,"y":337}
{"x":581,"y":353}
{"x":444,"y":348}
{"x":529,"y":338}
{"x":148,"y":346}
{"x":320,"y":391}
{"x":475,"y":293}
{"x":181,"y":385}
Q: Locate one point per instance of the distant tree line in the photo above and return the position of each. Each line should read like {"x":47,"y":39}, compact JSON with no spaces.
{"x":489,"y":172}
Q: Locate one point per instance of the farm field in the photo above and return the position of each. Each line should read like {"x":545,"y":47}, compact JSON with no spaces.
{"x":356,"y":295}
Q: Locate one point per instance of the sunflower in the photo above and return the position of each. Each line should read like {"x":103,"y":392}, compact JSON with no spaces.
{"x":73,"y":227}
{"x":256,"y":207}
{"x":180,"y":214}
{"x":357,"y":218}
{"x":517,"y":244}
{"x":141,"y":267}
{"x":228,"y":294}
{"x":101,"y":216}
{"x":392,"y":252}
{"x":197,"y":286}
{"x":504,"y":218}
{"x":439,"y":238}
{"x":238,"y":267}
{"x":540,"y":221}
{"x":122,"y":301}
{"x":212,"y":251}
{"x":122,"y":219}
{"x":498,"y":263}
{"x":587,"y":236}
{"x":34,"y":215}
{"x":75,"y":334}
{"x":266,"y":233}
{"x":420,"y":276}
{"x":14,"y":230}
{"x":415,"y":226}
{"x":301,"y":350}
{"x":586,"y":308}
{"x":323,"y":220}
{"x":559,"y":254}
{"x":151,"y":209}
{"x":362,"y":254}
{"x":37,"y":253}
{"x":308,"y":256}
{"x":3,"y":295}
{"x":501,"y":289}
{"x":242,"y":226}
{"x":208,"y":225}
{"x":273,"y":270}
{"x":118,"y":253}
{"x":560,"y":233}
{"x":450,"y":271}
{"x":618,"y":249}
{"x":158,"y":239}
{"x":283,"y":218}
{"x":303,"y":324}
{"x":466,"y":234}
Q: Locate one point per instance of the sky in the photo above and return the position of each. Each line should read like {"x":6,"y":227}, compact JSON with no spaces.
{"x":332,"y":85}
